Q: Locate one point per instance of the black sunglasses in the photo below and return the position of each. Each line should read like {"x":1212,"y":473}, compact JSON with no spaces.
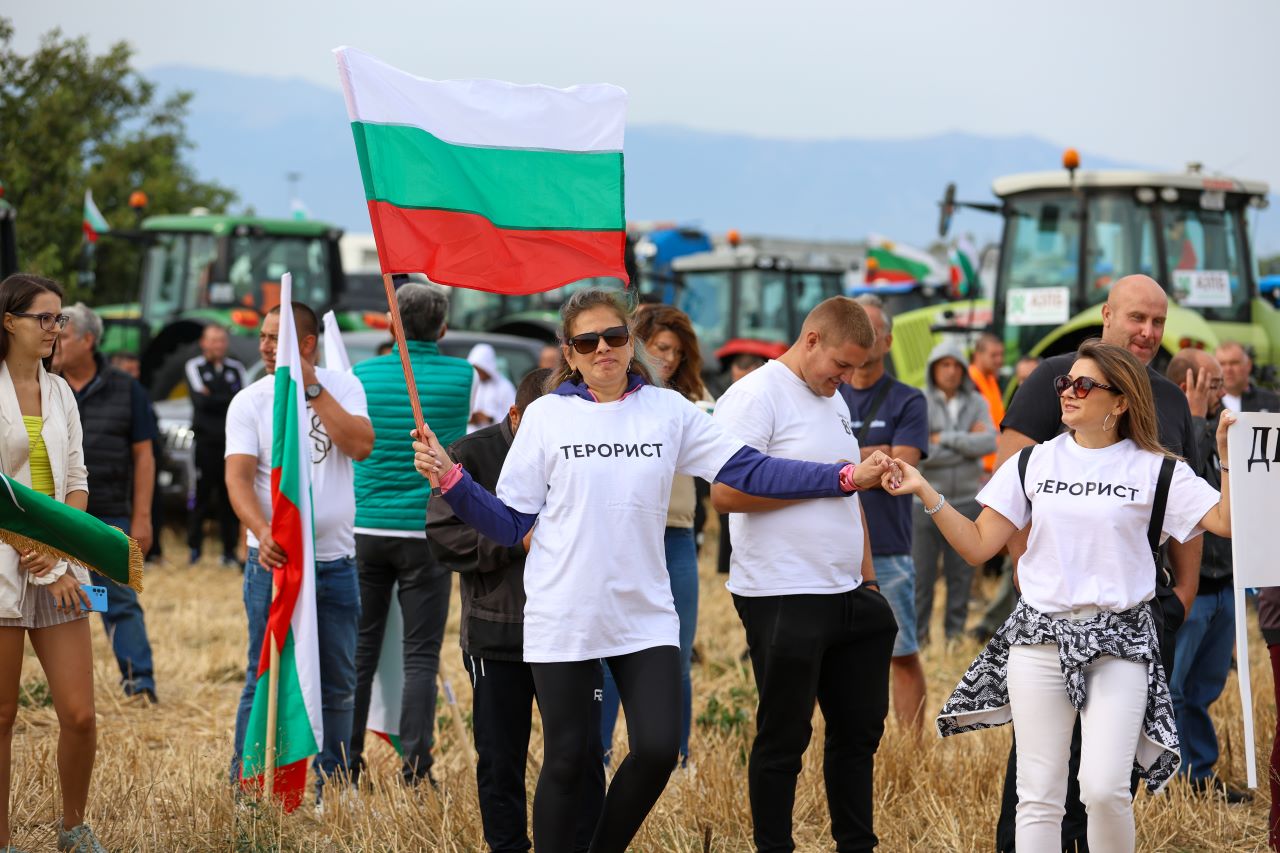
{"x":48,"y":321}
{"x":1082,"y":385}
{"x":588,"y":342}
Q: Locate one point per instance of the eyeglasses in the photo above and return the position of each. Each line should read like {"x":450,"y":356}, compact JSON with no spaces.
{"x":1216,"y":384}
{"x":1082,"y":385}
{"x":48,"y":321}
{"x":588,"y":342}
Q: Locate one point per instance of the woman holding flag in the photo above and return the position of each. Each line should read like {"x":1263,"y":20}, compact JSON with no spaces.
{"x":593,"y":465}
{"x":40,"y":595}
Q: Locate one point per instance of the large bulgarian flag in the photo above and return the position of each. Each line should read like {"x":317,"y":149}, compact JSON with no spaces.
{"x":488,"y":185}
{"x":888,"y":261}
{"x":291,"y":623}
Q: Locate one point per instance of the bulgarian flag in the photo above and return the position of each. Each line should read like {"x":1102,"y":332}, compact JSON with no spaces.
{"x":94,"y":222}
{"x":964,"y":267}
{"x":488,"y":185}
{"x":888,"y":261}
{"x":291,"y":622}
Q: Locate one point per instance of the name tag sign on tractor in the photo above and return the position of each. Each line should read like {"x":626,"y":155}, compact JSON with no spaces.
{"x":1202,"y":288}
{"x":1253,"y":453}
{"x":1038,"y":306}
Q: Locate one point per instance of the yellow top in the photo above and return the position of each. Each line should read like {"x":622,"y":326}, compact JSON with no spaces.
{"x":41,"y":470}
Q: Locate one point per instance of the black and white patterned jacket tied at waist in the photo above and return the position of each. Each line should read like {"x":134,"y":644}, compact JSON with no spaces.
{"x":981,"y":700}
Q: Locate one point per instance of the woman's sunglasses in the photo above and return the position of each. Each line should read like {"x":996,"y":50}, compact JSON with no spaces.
{"x":1082,"y":385}
{"x":588,"y":342}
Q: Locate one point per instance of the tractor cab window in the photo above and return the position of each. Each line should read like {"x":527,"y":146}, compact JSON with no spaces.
{"x":1040,"y":266}
{"x":704,"y":296}
{"x":1121,"y":242}
{"x":259,"y":261}
{"x":763,"y":305}
{"x":177,"y":271}
{"x":1202,"y":250}
{"x":812,"y":288}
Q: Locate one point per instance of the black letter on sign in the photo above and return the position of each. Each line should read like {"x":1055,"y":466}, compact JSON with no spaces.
{"x":1261,"y":439}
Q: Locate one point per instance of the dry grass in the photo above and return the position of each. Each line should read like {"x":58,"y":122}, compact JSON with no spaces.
{"x":160,"y":778}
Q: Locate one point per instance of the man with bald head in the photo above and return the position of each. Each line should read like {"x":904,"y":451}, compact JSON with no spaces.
{"x":1134,"y":318}
{"x":1241,"y":394}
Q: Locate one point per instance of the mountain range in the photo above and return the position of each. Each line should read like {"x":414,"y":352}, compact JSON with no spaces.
{"x":251,"y":133}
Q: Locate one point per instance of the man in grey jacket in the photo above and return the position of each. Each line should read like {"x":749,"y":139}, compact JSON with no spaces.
{"x":960,"y":434}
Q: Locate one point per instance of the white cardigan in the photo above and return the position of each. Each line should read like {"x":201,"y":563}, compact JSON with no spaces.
{"x":63,"y":439}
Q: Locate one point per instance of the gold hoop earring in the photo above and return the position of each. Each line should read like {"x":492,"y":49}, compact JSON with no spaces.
{"x":1105,"y":427}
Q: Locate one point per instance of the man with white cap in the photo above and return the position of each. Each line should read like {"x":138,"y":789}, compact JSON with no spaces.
{"x":492,"y":395}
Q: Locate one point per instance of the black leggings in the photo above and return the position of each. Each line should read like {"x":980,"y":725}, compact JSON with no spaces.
{"x":649,"y":685}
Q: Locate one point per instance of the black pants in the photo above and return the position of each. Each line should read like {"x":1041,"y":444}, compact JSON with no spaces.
{"x":569,"y":699}
{"x":834,"y":649}
{"x":1168,"y":614}
{"x":501,"y":713}
{"x":423,"y":591}
{"x":211,"y":498}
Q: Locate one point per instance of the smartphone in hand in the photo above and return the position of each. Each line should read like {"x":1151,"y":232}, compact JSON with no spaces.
{"x":97,"y":598}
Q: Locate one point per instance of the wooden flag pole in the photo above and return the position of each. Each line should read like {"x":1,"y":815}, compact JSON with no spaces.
{"x":455,"y":711}
{"x":397,"y":331}
{"x":273,"y":701}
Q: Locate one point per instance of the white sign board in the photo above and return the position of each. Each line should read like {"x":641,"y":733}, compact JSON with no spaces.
{"x":1038,"y":306}
{"x":1253,"y":455}
{"x":1202,"y":288}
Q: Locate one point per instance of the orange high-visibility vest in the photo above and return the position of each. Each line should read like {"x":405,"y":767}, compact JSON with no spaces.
{"x":989,"y":387}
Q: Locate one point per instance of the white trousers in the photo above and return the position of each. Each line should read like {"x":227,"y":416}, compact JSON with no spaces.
{"x":1111,"y":723}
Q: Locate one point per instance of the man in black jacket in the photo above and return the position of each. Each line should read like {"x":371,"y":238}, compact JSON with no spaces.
{"x":213,"y":379}
{"x":491,"y":580}
{"x":1207,"y":637}
{"x":1242,"y":395}
{"x":115,"y":413}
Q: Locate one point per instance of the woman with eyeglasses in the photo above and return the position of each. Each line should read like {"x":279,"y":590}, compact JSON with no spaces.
{"x":672,"y":348}
{"x":1081,"y":640}
{"x":41,"y":597}
{"x":593,"y":465}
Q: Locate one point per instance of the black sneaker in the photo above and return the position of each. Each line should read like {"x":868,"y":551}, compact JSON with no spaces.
{"x":1215,"y":786}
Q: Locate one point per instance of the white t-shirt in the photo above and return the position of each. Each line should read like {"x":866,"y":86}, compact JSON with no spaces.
{"x":810,"y":547}
{"x":1091,"y":509}
{"x":599,"y":477}
{"x":1232,"y":402}
{"x":333,"y":499}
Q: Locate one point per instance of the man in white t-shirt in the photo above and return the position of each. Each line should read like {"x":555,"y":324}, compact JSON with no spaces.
{"x":802,"y":580}
{"x":340,"y":432}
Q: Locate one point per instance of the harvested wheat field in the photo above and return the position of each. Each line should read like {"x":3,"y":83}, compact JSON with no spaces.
{"x":160,"y":782}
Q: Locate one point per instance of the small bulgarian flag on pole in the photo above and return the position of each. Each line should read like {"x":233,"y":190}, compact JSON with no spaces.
{"x":285,"y":726}
{"x":94,"y":222}
{"x":489,"y":185}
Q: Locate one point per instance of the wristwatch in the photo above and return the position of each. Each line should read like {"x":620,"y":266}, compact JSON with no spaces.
{"x":314,"y":390}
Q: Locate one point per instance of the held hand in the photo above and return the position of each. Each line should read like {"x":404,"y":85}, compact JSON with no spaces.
{"x":270,"y":555}
{"x":902,"y":479}
{"x":871,"y":449}
{"x":429,"y":457}
{"x":867,"y":474}
{"x":1224,"y":423}
{"x":67,"y":593}
{"x":35,"y":564}
{"x":308,"y":373}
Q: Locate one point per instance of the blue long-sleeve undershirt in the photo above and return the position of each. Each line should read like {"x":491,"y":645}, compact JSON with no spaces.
{"x":748,"y":471}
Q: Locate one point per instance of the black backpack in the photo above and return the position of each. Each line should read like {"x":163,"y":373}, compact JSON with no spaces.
{"x":1157,"y":507}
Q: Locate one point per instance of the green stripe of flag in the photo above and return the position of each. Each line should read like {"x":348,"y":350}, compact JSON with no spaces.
{"x":294,"y":738}
{"x":511,"y":187}
{"x":284,"y":442}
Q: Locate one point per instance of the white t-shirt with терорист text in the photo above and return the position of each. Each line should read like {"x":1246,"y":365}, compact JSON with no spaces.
{"x":1089,"y":510}
{"x":598,"y":476}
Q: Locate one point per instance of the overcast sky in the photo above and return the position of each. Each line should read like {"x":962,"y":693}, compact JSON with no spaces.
{"x":1152,"y":82}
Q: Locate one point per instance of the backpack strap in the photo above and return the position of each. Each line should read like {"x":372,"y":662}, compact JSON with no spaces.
{"x":874,"y":409}
{"x":1158,"y":506}
{"x":1024,"y":457}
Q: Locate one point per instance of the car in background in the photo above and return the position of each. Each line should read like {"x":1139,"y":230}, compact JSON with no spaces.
{"x":176,"y":469}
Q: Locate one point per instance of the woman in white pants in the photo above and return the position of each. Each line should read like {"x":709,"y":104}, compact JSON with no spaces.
{"x":1082,"y":639}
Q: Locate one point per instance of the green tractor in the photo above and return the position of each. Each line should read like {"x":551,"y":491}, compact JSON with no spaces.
{"x":202,"y":269}
{"x":1068,"y":235}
